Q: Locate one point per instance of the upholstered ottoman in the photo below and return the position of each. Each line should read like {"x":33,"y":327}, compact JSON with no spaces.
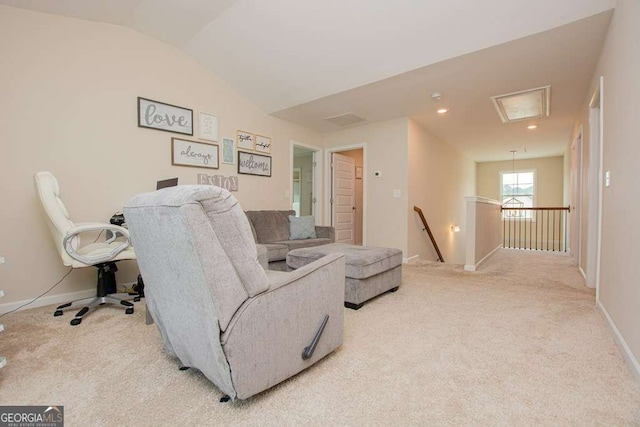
{"x":369,"y":271}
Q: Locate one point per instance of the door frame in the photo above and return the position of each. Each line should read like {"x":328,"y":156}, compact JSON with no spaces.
{"x":328,"y":175}
{"x":595,"y":177}
{"x":317,"y":207}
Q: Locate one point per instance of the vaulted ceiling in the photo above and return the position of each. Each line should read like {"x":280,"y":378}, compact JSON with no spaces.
{"x":305,"y":61}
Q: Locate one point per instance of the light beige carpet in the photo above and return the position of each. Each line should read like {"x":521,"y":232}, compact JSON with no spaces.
{"x":518,"y":343}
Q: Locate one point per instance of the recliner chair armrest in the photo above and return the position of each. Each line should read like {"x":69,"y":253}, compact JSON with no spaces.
{"x":73,"y":232}
{"x":275,"y":326}
{"x":327,"y":232}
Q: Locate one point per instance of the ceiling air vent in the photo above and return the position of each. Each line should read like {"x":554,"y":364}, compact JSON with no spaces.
{"x":527,"y":104}
{"x":345,"y":119}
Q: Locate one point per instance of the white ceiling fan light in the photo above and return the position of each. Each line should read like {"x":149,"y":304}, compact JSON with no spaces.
{"x":523,"y":105}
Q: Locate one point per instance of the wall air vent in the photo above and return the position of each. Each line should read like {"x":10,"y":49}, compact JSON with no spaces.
{"x":527,"y":104}
{"x":345,"y":119}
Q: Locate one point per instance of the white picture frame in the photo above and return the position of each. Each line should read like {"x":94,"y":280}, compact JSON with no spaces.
{"x":228,"y":151}
{"x":207,"y":127}
{"x":194,"y":154}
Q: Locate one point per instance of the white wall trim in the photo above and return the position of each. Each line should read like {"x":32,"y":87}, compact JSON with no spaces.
{"x":468,"y":267}
{"x":583,"y":274}
{"x":631,"y":360}
{"x":48,"y":300}
{"x":411,"y":258}
{"x":480,"y":199}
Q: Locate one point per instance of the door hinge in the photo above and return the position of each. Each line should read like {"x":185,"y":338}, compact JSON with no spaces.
{"x":315,"y":164}
{"x":331,"y":200}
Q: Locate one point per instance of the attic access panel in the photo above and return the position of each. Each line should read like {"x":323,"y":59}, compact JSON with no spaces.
{"x":523,"y":105}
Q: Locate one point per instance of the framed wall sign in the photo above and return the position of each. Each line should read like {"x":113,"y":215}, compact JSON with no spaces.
{"x":254,"y":164}
{"x":228,"y":151}
{"x":263,"y":144}
{"x":245,"y":140}
{"x":207,"y":126}
{"x":167,"y":117}
{"x":194,"y":154}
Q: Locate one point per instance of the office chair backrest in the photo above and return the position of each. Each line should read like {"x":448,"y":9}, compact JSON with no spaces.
{"x":48,"y":192}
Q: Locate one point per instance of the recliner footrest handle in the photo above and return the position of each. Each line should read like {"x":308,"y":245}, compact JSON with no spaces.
{"x":308,"y":351}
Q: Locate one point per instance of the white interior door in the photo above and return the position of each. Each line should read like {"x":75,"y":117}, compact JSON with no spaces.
{"x":343,"y":197}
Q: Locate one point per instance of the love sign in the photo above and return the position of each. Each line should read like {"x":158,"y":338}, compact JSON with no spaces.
{"x":167,"y":117}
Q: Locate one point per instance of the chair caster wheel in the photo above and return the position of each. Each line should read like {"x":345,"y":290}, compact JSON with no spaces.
{"x":136,"y":299}
{"x":57,"y":313}
{"x":129,"y":310}
{"x":76,"y":321}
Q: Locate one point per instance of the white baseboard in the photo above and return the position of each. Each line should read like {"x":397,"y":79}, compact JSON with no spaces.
{"x":411,"y":258}
{"x":583,"y":273}
{"x":631,"y":360}
{"x":470,"y":267}
{"x":48,"y":300}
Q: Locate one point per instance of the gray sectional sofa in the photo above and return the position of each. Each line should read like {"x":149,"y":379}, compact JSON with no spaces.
{"x":271,"y":230}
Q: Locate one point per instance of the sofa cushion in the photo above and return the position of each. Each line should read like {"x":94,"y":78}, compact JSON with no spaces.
{"x":302,"y":227}
{"x":270,"y":226}
{"x":276,"y":252}
{"x":305,"y":243}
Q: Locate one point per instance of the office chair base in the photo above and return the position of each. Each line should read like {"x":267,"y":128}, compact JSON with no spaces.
{"x":90,"y":304}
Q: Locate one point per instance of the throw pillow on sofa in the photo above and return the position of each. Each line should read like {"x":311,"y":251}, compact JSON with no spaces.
{"x":302,"y":227}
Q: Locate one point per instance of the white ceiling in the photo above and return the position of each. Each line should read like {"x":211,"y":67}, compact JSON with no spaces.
{"x":305,"y":60}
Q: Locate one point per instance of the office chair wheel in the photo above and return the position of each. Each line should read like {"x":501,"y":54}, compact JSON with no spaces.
{"x":136,"y":299}
{"x":129,"y":310}
{"x":75,"y":321}
{"x":57,"y":313}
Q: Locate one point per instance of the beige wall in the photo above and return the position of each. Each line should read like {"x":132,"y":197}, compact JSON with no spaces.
{"x":549,"y":179}
{"x":385,"y":151}
{"x":68,"y":105}
{"x":439,"y":178}
{"x":619,"y":291}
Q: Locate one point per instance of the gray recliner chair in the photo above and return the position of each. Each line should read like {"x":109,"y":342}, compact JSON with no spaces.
{"x":217,"y":309}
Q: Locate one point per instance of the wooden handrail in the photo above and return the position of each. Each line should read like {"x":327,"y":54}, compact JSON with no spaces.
{"x":428,"y":230}
{"x":536,"y":209}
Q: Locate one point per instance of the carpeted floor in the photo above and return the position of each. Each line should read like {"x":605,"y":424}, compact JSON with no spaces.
{"x":518,"y":343}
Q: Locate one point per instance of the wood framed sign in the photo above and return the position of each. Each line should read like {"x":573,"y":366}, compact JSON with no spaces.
{"x":194,"y":154}
{"x":167,"y":117}
{"x":263,"y":144}
{"x":254,"y":164}
{"x":245,"y":140}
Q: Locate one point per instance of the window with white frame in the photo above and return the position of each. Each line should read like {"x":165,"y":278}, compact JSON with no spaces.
{"x":517,"y":190}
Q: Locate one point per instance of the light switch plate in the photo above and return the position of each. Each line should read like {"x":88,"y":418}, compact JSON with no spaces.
{"x":607,"y":179}
{"x":1,"y":260}
{"x":397,"y":193}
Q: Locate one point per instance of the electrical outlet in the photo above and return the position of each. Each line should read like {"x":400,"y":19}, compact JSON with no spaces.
{"x":1,"y":260}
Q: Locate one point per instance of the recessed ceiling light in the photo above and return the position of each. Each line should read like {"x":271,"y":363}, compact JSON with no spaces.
{"x":436,"y":95}
{"x":531,"y":127}
{"x":443,"y":110}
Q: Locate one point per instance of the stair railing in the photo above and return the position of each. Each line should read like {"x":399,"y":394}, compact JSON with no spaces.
{"x":428,"y":230}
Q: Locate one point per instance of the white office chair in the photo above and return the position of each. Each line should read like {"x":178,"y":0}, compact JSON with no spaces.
{"x":102,"y":255}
